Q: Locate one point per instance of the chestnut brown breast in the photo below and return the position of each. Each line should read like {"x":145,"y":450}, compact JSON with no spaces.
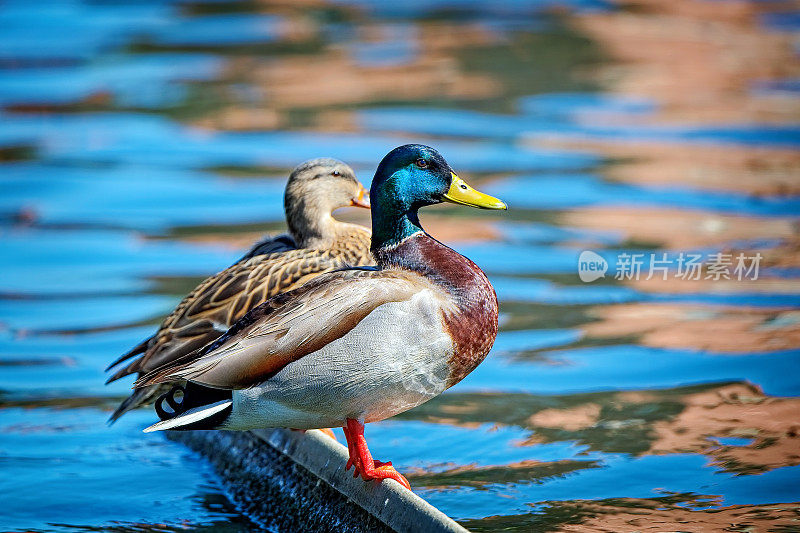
{"x":473,"y":324}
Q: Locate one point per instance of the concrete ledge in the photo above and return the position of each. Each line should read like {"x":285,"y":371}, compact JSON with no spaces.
{"x":288,"y":480}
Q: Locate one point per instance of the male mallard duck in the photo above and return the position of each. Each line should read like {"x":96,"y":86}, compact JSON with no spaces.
{"x":316,"y":243}
{"x":356,"y":345}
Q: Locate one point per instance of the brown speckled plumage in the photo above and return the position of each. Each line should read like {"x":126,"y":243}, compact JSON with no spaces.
{"x":317,"y":243}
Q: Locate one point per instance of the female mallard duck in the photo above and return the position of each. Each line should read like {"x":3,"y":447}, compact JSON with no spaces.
{"x":356,"y":345}
{"x":316,"y":243}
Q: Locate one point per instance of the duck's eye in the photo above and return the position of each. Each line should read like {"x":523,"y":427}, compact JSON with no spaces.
{"x":421,"y":163}
{"x":463,"y":186}
{"x":336,"y":173}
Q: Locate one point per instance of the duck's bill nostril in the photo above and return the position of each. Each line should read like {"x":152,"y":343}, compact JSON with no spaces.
{"x":461,"y":193}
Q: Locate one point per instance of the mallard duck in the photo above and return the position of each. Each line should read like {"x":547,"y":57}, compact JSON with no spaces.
{"x":356,"y":345}
{"x":316,"y":243}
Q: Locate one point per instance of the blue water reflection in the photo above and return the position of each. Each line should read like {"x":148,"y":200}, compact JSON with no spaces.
{"x":634,"y":367}
{"x":132,"y":81}
{"x":78,"y":456}
{"x":537,"y":127}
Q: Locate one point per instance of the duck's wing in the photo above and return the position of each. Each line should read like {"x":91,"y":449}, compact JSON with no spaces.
{"x":209,"y":310}
{"x":289,"y":326}
{"x":271,"y":245}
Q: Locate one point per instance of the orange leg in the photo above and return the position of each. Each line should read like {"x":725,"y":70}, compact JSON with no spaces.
{"x":362,"y":459}
{"x":352,"y":459}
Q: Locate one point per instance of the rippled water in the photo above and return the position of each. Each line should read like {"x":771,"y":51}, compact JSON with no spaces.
{"x":143,"y":146}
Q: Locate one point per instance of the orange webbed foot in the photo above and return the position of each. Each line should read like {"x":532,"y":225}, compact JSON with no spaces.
{"x":361,"y":458}
{"x":386,"y":471}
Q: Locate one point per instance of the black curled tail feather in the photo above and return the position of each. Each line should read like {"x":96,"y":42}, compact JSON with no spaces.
{"x":176,"y":406}
{"x":193,"y":396}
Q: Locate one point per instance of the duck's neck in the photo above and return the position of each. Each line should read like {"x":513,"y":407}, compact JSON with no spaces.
{"x":400,"y":241}
{"x":389,"y":229}
{"x":311,"y":227}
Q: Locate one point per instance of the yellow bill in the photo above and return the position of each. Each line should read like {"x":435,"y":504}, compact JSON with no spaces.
{"x":461,"y":193}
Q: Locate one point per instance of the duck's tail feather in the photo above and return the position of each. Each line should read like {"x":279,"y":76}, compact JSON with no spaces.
{"x":141,"y":396}
{"x":205,"y":417}
{"x":136,"y":350}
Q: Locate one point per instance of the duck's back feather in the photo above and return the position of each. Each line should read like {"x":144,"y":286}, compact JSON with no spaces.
{"x":270,"y":245}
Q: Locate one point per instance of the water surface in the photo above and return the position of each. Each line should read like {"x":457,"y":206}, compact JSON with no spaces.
{"x":142,"y":147}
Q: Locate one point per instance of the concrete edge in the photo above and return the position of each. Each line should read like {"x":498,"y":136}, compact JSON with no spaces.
{"x":388,"y":501}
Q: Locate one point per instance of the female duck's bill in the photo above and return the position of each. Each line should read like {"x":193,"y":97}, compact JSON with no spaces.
{"x":355,"y":345}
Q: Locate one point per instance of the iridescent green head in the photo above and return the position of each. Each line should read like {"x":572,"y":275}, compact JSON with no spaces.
{"x":413,"y":176}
